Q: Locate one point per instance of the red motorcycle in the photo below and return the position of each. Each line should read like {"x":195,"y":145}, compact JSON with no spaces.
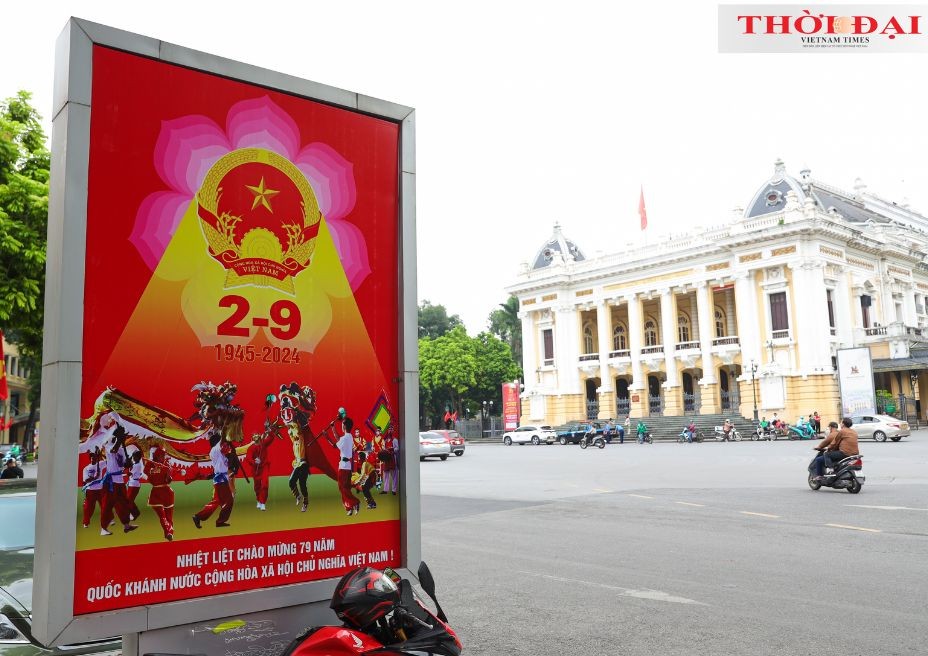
{"x":381,"y":615}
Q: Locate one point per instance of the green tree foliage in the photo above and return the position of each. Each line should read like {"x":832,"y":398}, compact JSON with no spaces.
{"x":447,"y":369}
{"x":506,"y":324}
{"x":24,"y":172}
{"x":434,"y":320}
{"x":494,"y":367}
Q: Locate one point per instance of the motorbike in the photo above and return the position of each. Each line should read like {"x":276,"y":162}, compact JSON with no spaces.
{"x":698,"y":436}
{"x":733,"y":435}
{"x":842,"y":477}
{"x":645,"y":437}
{"x":769,"y":433}
{"x":596,"y":440}
{"x":802,"y":432}
{"x":381,"y":615}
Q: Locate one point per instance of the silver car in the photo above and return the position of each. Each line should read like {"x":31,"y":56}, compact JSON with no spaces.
{"x":879,"y":427}
{"x":433,"y":445}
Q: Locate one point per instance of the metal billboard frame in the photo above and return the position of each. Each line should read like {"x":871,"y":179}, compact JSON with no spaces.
{"x":54,"y":621}
{"x":839,"y":375}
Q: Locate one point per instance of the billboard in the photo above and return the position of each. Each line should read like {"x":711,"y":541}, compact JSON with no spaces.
{"x":855,"y":381}
{"x":511,"y":406}
{"x":226,"y":336}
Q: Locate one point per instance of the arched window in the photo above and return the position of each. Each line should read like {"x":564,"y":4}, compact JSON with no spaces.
{"x":588,"y":344}
{"x":650,"y":333}
{"x":619,"y":338}
{"x":719,"y":323}
{"x":683,"y":328}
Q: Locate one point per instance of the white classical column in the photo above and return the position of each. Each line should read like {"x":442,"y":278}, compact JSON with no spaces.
{"x":845,"y":321}
{"x":669,"y":328}
{"x":604,"y":330}
{"x":749,"y":330}
{"x":635,"y":340}
{"x":529,"y":351}
{"x":812,"y":335}
{"x":908,"y":305}
{"x":696,"y":327}
{"x":567,"y":349}
{"x":704,"y":307}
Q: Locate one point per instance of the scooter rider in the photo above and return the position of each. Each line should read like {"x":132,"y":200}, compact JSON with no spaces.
{"x":727,"y":428}
{"x":839,"y":444}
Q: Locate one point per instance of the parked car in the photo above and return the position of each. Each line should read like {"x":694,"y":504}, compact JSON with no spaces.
{"x":879,"y":427}
{"x":433,"y":444}
{"x":572,"y":433}
{"x":456,"y":439}
{"x":17,"y":543}
{"x":530,"y":435}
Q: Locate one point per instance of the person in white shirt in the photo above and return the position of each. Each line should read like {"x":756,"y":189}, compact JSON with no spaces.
{"x":114,"y":485}
{"x":345,"y":446}
{"x":222,"y":491}
{"x":134,"y":484}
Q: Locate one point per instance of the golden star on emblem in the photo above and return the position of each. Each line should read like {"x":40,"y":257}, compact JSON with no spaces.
{"x":261,"y":195}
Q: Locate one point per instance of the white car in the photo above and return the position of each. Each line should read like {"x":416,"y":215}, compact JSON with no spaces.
{"x":879,"y":427}
{"x":433,"y":445}
{"x":530,"y":435}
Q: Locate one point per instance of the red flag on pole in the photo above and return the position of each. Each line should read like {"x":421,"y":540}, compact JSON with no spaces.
{"x":642,"y":212}
{"x":4,"y":388}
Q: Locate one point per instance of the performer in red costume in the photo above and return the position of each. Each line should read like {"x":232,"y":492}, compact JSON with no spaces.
{"x":161,"y":497}
{"x":258,"y":459}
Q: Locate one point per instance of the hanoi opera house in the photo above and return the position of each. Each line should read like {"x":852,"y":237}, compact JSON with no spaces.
{"x":707,"y":322}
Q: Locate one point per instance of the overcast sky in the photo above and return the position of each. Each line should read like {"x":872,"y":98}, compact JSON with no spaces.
{"x":529,"y":113}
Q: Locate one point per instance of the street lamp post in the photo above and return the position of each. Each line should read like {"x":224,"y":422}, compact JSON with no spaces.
{"x":754,"y":388}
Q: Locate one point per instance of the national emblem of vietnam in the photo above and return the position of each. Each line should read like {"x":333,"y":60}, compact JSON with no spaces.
{"x":260,"y":218}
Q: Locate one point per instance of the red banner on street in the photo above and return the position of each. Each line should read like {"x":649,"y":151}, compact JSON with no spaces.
{"x":512,"y":408}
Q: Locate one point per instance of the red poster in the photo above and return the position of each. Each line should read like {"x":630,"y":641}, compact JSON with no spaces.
{"x":511,"y":406}
{"x":240,"y":334}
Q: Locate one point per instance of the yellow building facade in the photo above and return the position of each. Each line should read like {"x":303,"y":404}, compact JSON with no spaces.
{"x":726,"y":319}
{"x":15,"y":408}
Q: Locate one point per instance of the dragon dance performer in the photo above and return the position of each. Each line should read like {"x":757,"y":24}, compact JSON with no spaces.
{"x":222,"y":491}
{"x":114,"y":486}
{"x":345,"y":446}
{"x":389,"y":462}
{"x":92,"y":479}
{"x":364,"y":477}
{"x":134,"y":484}
{"x":258,"y":458}
{"x":161,"y":497}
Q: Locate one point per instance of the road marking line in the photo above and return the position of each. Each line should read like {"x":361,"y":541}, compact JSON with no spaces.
{"x":601,"y":489}
{"x":640,"y":496}
{"x":654,"y":595}
{"x":855,"y":528}
{"x":757,"y":514}
{"x":854,"y":505}
{"x":687,"y":503}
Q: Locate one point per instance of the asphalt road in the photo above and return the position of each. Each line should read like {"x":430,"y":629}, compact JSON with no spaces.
{"x":679,"y":549}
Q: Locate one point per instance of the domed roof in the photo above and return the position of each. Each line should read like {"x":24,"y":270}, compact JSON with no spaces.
{"x":771,"y":197}
{"x":557,"y":249}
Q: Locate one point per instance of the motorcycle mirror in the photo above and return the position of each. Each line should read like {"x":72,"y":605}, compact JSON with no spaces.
{"x":428,"y":584}
{"x":426,"y":580}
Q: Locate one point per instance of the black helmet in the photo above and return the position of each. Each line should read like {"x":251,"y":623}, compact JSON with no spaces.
{"x":363,"y":596}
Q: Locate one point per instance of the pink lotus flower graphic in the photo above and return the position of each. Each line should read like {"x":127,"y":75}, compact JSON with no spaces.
{"x":188,"y":146}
